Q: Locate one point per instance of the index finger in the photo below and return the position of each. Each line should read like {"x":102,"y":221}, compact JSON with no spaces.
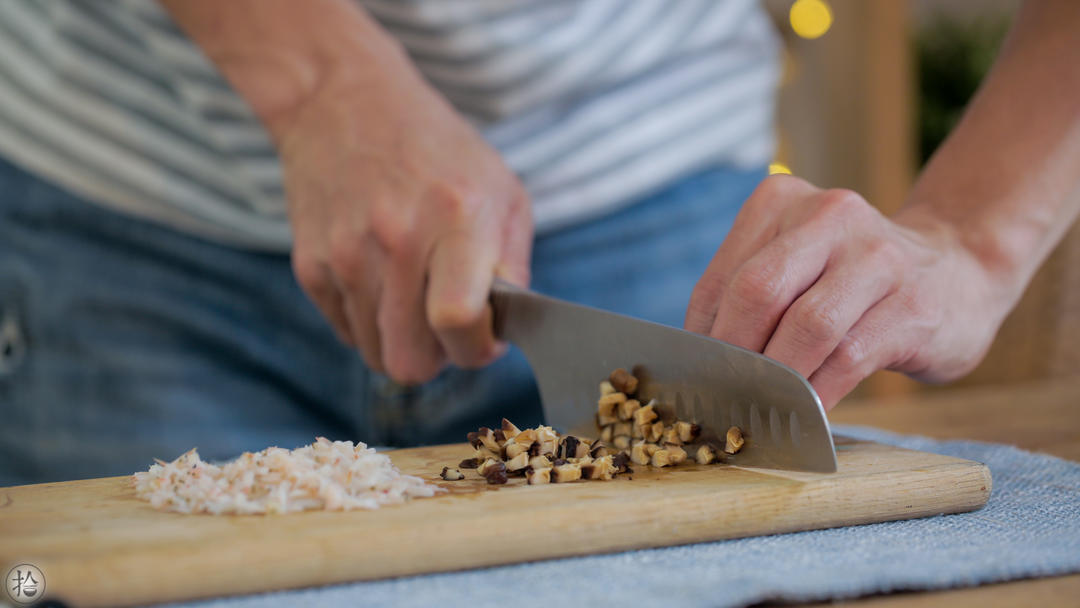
{"x":460,"y":272}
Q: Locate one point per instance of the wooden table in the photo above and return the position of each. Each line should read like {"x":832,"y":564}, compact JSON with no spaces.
{"x":1041,"y":417}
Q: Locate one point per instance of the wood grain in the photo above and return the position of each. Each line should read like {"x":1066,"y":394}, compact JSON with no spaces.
{"x":100,"y":546}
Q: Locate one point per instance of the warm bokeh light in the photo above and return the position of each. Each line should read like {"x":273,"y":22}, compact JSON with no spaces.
{"x":775,"y":168}
{"x":810,"y":18}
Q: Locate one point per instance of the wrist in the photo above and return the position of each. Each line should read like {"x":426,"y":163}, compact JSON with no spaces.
{"x":992,"y":250}
{"x":278,"y":55}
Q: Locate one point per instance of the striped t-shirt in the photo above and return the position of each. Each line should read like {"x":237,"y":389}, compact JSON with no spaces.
{"x":593,"y":103}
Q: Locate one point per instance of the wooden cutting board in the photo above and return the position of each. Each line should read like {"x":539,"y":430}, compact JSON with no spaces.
{"x":98,"y":545}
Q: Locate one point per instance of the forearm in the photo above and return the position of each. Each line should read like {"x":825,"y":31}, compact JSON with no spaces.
{"x":278,"y":54}
{"x":1007,"y":181}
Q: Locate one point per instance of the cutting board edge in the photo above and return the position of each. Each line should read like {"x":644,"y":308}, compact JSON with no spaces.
{"x":972,"y":482}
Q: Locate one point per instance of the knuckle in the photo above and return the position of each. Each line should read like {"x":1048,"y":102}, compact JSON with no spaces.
{"x":778,"y":188}
{"x":840,"y":202}
{"x":391,"y":227}
{"x":850,"y":355}
{"x":346,"y":257}
{"x":817,"y":323}
{"x":758,"y":287}
{"x":450,"y":203}
{"x":453,"y":316}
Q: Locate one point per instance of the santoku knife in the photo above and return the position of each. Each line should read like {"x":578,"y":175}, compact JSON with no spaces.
{"x":571,"y":348}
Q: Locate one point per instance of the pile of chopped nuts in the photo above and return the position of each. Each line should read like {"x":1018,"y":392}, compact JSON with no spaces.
{"x":628,"y":432}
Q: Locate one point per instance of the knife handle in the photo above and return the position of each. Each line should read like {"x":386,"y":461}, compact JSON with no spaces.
{"x":503,"y":295}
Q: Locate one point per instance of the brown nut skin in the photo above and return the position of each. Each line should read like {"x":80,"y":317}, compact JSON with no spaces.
{"x":623,"y":381}
{"x":687,"y":431}
{"x":509,"y":429}
{"x":468,"y":463}
{"x":621,"y":462}
{"x":495,"y":473}
{"x":473,"y":438}
{"x":449,"y":474}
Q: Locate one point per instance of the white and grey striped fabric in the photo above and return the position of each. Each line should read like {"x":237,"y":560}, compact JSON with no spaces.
{"x":592,"y":102}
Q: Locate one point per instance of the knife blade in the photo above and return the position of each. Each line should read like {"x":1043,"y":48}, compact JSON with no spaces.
{"x":572,"y":347}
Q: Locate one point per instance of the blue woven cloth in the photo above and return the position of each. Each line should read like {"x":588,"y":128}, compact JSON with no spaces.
{"x":1029,"y":528}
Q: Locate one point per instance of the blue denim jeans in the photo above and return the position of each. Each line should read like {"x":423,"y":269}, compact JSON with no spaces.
{"x":122,"y":340}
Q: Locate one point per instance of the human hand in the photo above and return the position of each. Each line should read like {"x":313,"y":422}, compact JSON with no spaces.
{"x":402,"y":216}
{"x":821,"y":281}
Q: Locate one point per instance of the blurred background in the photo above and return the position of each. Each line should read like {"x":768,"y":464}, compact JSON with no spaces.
{"x":869,"y":90}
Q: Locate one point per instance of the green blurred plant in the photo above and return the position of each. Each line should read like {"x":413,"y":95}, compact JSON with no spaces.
{"x":952,"y":57}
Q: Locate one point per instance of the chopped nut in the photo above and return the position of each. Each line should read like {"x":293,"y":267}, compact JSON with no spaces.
{"x":706,"y":454}
{"x":525,"y":437}
{"x":451,"y":474}
{"x":534,"y":449}
{"x":601,"y":468}
{"x":538,"y":476}
{"x":606,"y":388}
{"x":627,"y":408}
{"x":621,"y":461}
{"x":606,"y":433}
{"x":646,"y":414}
{"x":671,"y":435}
{"x":638,"y":432}
{"x":598,"y":449}
{"x":602,"y":421}
{"x":656,"y":432}
{"x":572,"y":447}
{"x":622,"y":428}
{"x":641,"y":452}
{"x":468,"y":463}
{"x":623,"y":381}
{"x":487,"y":438}
{"x":500,"y":437}
{"x":607,"y":404}
{"x":482,"y":453}
{"x":562,"y":473}
{"x":687,"y":431}
{"x":621,"y":441}
{"x":473,"y":438}
{"x":676,"y":453}
{"x":494,"y":473}
{"x":548,"y":438}
{"x":514,"y":448}
{"x":518,"y":463}
{"x":540,"y":462}
{"x":509,"y":429}
{"x":734,"y":440}
{"x":661,"y":458}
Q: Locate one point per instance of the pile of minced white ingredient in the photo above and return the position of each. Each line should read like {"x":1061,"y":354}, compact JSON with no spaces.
{"x":335,"y":476}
